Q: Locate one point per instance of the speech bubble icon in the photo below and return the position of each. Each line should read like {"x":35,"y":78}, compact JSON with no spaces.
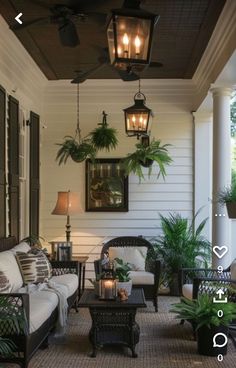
{"x":221,"y":345}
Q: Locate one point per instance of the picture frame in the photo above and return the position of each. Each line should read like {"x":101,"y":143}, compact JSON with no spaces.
{"x":106,"y":186}
{"x":61,"y":250}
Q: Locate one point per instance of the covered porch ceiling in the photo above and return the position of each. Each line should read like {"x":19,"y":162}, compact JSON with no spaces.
{"x":181,"y":36}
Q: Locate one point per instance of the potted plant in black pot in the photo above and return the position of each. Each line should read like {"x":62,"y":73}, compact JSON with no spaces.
{"x":181,"y":245}
{"x":204,"y":315}
{"x":77,"y":150}
{"x":227,"y":196}
{"x":144,"y":156}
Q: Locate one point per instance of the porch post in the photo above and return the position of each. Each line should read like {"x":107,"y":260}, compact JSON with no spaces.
{"x":221,"y":176}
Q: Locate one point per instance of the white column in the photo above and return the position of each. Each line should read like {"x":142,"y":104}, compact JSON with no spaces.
{"x":221,"y":225}
{"x":202,"y":168}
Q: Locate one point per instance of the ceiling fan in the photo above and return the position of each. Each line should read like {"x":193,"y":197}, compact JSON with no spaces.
{"x":64,"y":17}
{"x":128,"y":74}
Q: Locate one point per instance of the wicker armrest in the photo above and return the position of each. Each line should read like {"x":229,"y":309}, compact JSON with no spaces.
{"x":64,"y":267}
{"x":210,"y":285}
{"x":188,"y":274}
{"x":17,"y":305}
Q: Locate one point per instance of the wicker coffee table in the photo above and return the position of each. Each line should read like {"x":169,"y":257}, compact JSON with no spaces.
{"x":113,"y":322}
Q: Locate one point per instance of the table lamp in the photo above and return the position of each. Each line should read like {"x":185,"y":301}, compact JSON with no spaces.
{"x":68,"y":203}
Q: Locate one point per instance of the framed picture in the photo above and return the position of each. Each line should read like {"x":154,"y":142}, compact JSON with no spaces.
{"x":106,"y":186}
{"x":61,"y":251}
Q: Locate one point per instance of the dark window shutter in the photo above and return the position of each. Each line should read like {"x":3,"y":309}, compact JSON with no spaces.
{"x":34,"y":173}
{"x":13,"y":167}
{"x":2,"y":162}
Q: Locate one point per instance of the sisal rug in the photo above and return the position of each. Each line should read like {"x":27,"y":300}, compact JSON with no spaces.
{"x":164,"y":343}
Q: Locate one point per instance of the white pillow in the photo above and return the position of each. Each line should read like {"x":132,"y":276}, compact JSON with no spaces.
{"x":21,"y":247}
{"x":136,"y":256}
{"x":10,"y":269}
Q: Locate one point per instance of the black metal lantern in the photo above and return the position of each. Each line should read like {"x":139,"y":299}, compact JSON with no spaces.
{"x":129,"y":34}
{"x":137,"y":116}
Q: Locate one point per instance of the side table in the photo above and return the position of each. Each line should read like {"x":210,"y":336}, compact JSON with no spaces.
{"x":76,"y":265}
{"x":113,"y":322}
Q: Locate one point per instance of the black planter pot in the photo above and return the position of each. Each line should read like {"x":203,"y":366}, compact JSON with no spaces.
{"x":231,"y":209}
{"x":174,"y":285}
{"x":146,"y":163}
{"x":205,"y":337}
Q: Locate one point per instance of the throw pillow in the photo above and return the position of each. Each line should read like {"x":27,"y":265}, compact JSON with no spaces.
{"x":35,"y":268}
{"x":5,"y":286}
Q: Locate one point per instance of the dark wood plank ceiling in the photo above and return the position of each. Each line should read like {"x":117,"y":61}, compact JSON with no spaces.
{"x":181,"y":36}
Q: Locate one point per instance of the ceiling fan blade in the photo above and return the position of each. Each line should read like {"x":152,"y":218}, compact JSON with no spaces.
{"x":68,"y":34}
{"x":19,"y":27}
{"x":155,"y":64}
{"x":127,"y":76}
{"x":82,"y":77}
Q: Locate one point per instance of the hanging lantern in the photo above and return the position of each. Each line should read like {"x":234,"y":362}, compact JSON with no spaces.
{"x":107,"y":288}
{"x":137,"y":116}
{"x":129,"y":33}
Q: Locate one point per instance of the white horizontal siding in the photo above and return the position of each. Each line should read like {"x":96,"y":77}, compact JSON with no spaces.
{"x":172,"y":124}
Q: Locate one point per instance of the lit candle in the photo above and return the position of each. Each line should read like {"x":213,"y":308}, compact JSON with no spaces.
{"x":108,"y":285}
{"x":101,"y":171}
{"x":108,"y":170}
{"x":126,"y":44}
{"x":137,"y":43}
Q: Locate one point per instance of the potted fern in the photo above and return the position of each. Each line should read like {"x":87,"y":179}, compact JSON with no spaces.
{"x":227,"y":196}
{"x":104,"y":137}
{"x":145,"y":156}
{"x":180,"y":246}
{"x":205,"y":316}
{"x":122,"y":270}
{"x":77,"y":150}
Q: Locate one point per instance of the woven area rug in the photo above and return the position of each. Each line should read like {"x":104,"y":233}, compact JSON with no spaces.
{"x":164,"y":343}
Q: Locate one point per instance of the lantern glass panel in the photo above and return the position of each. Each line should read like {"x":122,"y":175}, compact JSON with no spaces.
{"x":128,"y":39}
{"x":136,"y":121}
{"x":107,"y":289}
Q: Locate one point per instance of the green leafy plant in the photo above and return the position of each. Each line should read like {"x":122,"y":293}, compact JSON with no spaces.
{"x":122,"y":270}
{"x":104,"y":137}
{"x":203,"y":312}
{"x":145,"y":156}
{"x":181,"y":245}
{"x":15,"y":322}
{"x":78,"y":151}
{"x":228,"y":194}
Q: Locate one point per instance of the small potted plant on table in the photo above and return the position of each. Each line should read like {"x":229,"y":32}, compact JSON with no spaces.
{"x":122,"y":270}
{"x":227,"y":196}
{"x":207,"y":322}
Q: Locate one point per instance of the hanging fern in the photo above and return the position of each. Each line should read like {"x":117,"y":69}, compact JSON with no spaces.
{"x":104,"y":137}
{"x":77,"y":151}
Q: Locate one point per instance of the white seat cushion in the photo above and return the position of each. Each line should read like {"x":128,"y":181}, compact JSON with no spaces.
{"x":42,"y":304}
{"x":9,"y":267}
{"x":187,"y":291}
{"x":142,"y":278}
{"x":69,"y":280}
{"x":135,"y":256}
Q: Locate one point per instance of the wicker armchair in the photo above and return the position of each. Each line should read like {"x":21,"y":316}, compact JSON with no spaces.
{"x":151,"y":266}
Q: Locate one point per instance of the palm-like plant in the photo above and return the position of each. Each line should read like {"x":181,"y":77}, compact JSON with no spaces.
{"x":181,"y":245}
{"x":14,"y":320}
{"x":144,"y":156}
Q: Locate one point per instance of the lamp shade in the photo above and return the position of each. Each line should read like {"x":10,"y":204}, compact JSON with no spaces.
{"x":68,"y":203}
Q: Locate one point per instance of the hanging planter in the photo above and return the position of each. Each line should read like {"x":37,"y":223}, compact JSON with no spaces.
{"x":145,"y":156}
{"x":227,"y":197}
{"x":104,"y":137}
{"x":78,"y":152}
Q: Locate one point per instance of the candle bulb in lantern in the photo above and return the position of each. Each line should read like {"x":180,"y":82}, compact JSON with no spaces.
{"x":126,"y":44}
{"x":108,"y":285}
{"x":137,"y":43}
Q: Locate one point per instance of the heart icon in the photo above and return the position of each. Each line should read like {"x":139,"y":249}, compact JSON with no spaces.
{"x":223,"y":250}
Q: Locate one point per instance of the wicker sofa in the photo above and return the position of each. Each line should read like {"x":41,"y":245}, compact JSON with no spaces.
{"x":39,"y":309}
{"x":130,"y":249}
